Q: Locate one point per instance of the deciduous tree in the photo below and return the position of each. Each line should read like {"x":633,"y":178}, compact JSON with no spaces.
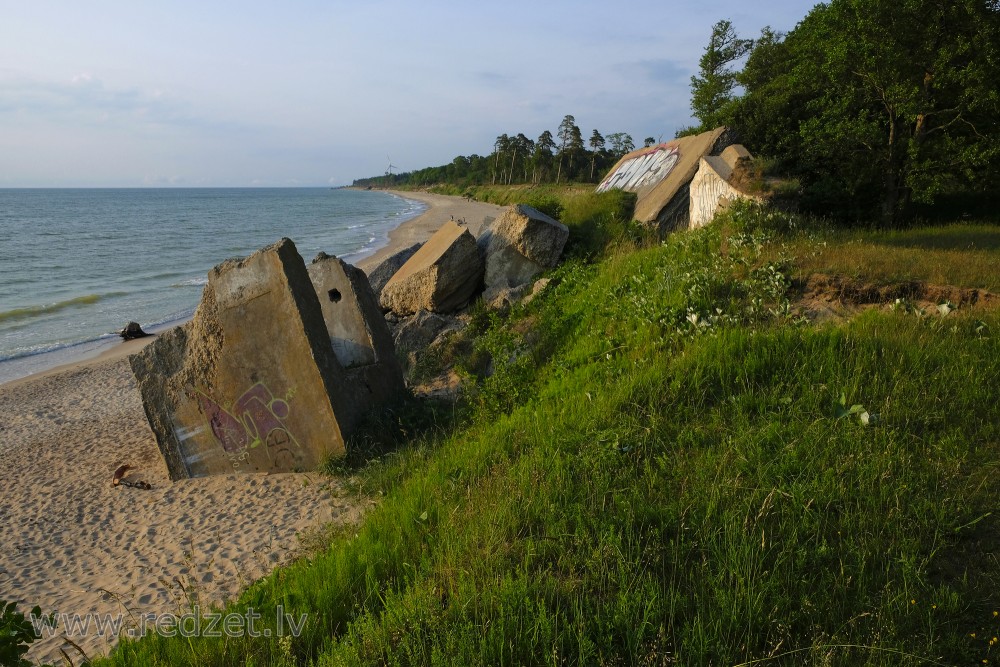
{"x":879,"y":103}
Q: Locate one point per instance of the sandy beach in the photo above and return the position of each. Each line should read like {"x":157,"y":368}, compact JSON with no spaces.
{"x":442,"y":209}
{"x":72,"y":543}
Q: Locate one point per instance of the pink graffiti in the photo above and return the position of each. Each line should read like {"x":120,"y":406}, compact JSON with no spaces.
{"x":255,"y":418}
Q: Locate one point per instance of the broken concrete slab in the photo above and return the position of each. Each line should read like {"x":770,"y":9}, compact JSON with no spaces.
{"x":719,"y":181}
{"x":503,"y":297}
{"x":736,"y":156}
{"x":251,"y":383}
{"x":386,"y":269}
{"x":441,"y":277}
{"x":660,"y":176}
{"x":417,"y":332}
{"x":359,"y":336}
{"x":524,"y":242}
{"x":537,"y":288}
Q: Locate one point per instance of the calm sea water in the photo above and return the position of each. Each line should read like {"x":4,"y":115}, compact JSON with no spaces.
{"x":77,"y":265}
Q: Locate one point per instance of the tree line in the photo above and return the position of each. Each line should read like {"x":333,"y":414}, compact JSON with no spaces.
{"x":881,"y":108}
{"x":517,"y":159}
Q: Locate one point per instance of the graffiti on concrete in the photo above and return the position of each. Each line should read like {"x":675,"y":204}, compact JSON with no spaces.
{"x":647,"y":168}
{"x":256,"y":418}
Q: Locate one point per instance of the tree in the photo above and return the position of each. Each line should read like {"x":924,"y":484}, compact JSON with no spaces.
{"x":524,"y":148}
{"x":567,"y":132}
{"x":500,"y":148}
{"x":621,"y":144}
{"x":878,"y":103}
{"x":648,"y":141}
{"x":541,"y":159}
{"x":574,"y":150}
{"x":596,"y":146}
{"x":712,"y":89}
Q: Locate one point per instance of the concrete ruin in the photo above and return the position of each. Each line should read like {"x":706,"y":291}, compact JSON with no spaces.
{"x":441,"y":277}
{"x":661,"y":175}
{"x":720,"y":180}
{"x":524,"y":242}
{"x":381,"y":273}
{"x":264,"y":378}
{"x":359,"y":335}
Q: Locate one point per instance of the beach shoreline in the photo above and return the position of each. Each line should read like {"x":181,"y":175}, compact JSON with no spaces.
{"x":440,"y":209}
{"x":75,"y":544}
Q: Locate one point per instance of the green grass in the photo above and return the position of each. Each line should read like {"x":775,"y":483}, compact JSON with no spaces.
{"x":963,"y":255}
{"x":659,"y":472}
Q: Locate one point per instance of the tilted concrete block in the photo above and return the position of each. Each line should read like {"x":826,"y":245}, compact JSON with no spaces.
{"x":359,"y":336}
{"x":252,"y":382}
{"x":386,"y":269}
{"x":440,"y":277}
{"x":524,"y":243}
{"x":660,"y":176}
{"x":717,"y":184}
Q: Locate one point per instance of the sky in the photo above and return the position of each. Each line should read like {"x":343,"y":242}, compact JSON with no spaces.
{"x":300,"y":93}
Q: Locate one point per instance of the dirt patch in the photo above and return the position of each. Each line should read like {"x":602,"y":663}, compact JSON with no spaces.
{"x":447,"y":386}
{"x":821,"y":296}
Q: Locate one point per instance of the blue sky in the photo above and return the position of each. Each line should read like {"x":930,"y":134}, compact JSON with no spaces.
{"x":122,"y":94}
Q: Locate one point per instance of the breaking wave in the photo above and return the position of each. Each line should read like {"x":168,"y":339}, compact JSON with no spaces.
{"x":29,"y":312}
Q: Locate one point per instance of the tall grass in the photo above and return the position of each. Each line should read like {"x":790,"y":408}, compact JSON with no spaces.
{"x":960,"y":254}
{"x":663,"y":472}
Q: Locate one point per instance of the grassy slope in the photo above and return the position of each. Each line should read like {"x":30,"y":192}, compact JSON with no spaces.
{"x":961,"y":254}
{"x":657,"y":474}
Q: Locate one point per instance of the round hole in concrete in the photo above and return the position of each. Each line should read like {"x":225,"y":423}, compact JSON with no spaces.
{"x":334,"y":295}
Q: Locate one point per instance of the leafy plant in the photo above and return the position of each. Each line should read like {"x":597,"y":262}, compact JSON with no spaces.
{"x":17,"y":633}
{"x":841,"y":410}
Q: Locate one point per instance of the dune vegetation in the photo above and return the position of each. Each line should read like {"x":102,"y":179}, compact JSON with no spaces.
{"x":671,"y":462}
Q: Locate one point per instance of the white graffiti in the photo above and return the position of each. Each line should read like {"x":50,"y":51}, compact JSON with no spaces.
{"x":648,"y":168}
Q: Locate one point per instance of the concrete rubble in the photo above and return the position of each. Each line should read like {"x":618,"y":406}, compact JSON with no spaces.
{"x":266,"y":375}
{"x":524,"y":242}
{"x":418,"y":331}
{"x":719,"y":181}
{"x":660,"y":176}
{"x":443,"y":276}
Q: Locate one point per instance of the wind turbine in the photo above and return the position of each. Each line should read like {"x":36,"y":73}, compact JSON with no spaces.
{"x":388,"y":170}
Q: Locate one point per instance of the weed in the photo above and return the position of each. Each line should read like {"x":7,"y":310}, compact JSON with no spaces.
{"x":17,"y":634}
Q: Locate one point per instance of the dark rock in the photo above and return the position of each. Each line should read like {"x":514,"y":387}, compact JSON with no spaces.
{"x":132,"y":331}
{"x":418,"y":331}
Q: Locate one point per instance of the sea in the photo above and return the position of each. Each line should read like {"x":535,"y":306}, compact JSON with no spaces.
{"x":76,"y":265}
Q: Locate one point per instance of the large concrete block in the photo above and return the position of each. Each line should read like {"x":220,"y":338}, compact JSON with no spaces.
{"x":660,"y":176}
{"x":440,"y":277}
{"x":359,"y":336}
{"x":717,"y":184}
{"x":524,"y":243}
{"x":252,"y":382}
{"x":386,"y":269}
